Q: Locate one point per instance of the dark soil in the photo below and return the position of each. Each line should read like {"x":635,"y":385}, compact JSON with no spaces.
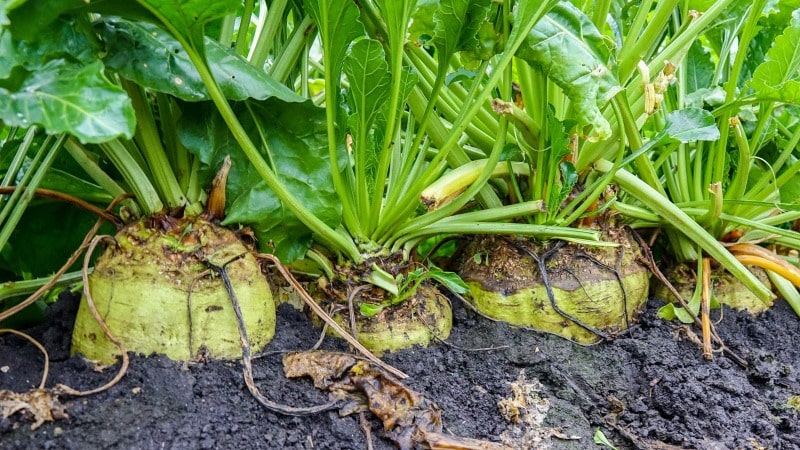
{"x":652,"y":389}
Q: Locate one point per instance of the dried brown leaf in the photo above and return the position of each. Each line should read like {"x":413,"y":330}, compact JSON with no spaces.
{"x":409,"y":418}
{"x":42,"y":404}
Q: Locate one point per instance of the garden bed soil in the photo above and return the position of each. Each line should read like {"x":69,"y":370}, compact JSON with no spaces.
{"x":649,"y":389}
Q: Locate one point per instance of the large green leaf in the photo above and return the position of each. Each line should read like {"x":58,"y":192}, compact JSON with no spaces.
{"x":293,"y":139}
{"x":778,"y":76}
{"x":567,"y":46}
{"x":63,"y":40}
{"x":66,"y":97}
{"x":188,"y":17}
{"x":147,"y":54}
{"x":28,"y":19}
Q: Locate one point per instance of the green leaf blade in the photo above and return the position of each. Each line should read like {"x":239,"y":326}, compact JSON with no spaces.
{"x":151,"y":57}
{"x":292,"y":138}
{"x":691,"y":124}
{"x":69,"y":98}
{"x":779,"y":75}
{"x":567,"y":46}
{"x":188,"y":17}
{"x":368,"y":73}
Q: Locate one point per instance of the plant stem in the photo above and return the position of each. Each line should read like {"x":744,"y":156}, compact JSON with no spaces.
{"x":682,"y":222}
{"x":88,"y":164}
{"x":293,"y":50}
{"x":244,"y":26}
{"x":133,"y":174}
{"x":149,"y":141}
{"x":327,"y":235}
{"x":265,"y":34}
{"x":15,"y":288}
{"x":13,"y":211}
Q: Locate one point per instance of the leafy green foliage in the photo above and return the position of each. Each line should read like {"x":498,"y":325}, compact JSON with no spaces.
{"x":699,"y":68}
{"x":671,"y":311}
{"x":293,"y":139}
{"x":57,"y":82}
{"x":600,"y":438}
{"x":459,"y":26}
{"x":570,"y":50}
{"x":368,"y":75}
{"x":690,"y":124}
{"x":455,"y":26}
{"x":151,"y":57}
{"x":67,"y":98}
{"x":778,"y":77}
{"x":188,"y":17}
{"x":407,"y":287}
{"x":339,"y":26}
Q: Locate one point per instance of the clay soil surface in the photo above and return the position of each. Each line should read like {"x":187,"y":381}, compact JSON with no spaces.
{"x":651,"y":389}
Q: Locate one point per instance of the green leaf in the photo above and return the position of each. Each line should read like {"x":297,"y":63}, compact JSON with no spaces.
{"x":699,"y":68}
{"x":691,"y":124}
{"x":368,"y":74}
{"x":570,"y":50}
{"x":459,"y":76}
{"x":64,"y":40}
{"x":600,"y":438}
{"x":65,"y":97}
{"x":292,"y":137}
{"x":338,"y":24}
{"x":61,"y":181}
{"x":51,"y":232}
{"x":422,"y":23}
{"x":370,"y":85}
{"x":370,"y":309}
{"x":684,"y":125}
{"x":457,"y":23}
{"x":790,"y":190}
{"x":4,"y":7}
{"x":188,"y":17}
{"x":153,"y":58}
{"x":777,"y":76}
{"x":451,"y":281}
{"x":28,"y":19}
{"x":455,"y":26}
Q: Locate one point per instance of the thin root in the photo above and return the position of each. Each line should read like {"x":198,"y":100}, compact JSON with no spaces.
{"x":650,"y":263}
{"x":41,"y":348}
{"x":325,"y":317}
{"x":541,"y":262}
{"x":74,"y":257}
{"x":246,"y":361}
{"x":90,"y":303}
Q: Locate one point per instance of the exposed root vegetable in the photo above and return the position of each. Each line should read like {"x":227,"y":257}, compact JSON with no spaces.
{"x":578,"y":292}
{"x":150,"y":289}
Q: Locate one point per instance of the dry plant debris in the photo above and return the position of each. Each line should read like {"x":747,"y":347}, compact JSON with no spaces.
{"x":42,"y":404}
{"x":526,"y":411}
{"x":409,"y":419}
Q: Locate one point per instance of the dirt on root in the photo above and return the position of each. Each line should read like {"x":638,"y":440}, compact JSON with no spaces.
{"x":649,"y":389}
